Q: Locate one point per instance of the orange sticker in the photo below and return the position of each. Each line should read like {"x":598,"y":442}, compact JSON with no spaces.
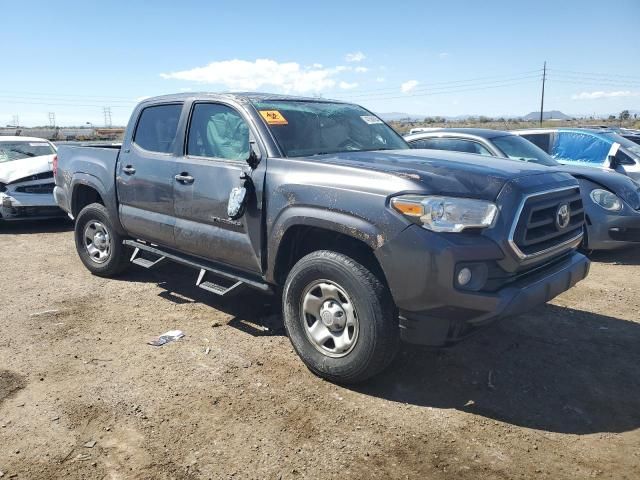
{"x":273,"y":117}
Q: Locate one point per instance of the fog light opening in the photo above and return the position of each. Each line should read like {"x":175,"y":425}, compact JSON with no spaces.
{"x":464,"y":276}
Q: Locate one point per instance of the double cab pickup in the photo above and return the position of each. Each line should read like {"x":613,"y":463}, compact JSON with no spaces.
{"x":368,"y":241}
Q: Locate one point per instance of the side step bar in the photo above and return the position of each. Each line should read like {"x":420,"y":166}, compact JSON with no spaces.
{"x":236,"y":279}
{"x":144,"y":262}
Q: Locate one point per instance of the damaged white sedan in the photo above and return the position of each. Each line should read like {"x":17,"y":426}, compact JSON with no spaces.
{"x":26,"y":179}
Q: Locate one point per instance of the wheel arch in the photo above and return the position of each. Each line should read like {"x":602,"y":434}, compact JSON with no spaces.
{"x":306,"y":231}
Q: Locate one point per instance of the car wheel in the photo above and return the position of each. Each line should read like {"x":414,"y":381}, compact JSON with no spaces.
{"x":98,"y":244}
{"x":339,"y":317}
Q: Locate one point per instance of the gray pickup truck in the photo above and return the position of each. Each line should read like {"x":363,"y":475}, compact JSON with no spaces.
{"x":367,"y":240}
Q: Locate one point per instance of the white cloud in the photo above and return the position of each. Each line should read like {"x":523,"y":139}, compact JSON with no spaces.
{"x":361,"y":69}
{"x":246,"y":75}
{"x":317,"y":65}
{"x":406,"y":87}
{"x":443,"y":54}
{"x":347,"y":85}
{"x":355,"y":57}
{"x":380,"y":79}
{"x":600,"y":94}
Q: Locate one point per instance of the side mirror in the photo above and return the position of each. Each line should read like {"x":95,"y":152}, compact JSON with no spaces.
{"x":253,"y":159}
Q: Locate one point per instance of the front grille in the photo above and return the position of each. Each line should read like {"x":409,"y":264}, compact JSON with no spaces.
{"x":42,"y":188}
{"x":538,"y":229}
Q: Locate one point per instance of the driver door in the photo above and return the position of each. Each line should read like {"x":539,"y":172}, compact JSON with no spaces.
{"x":214,"y":162}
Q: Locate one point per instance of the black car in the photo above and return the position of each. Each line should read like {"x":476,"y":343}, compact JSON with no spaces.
{"x":611,"y":200}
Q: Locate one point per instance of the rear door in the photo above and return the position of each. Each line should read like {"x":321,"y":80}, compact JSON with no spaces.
{"x":215,"y":158}
{"x":145,"y":175}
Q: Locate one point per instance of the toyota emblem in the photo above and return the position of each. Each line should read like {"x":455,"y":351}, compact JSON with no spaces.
{"x":563,"y":216}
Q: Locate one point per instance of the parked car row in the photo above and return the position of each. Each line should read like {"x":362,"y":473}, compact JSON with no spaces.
{"x":610,"y":196}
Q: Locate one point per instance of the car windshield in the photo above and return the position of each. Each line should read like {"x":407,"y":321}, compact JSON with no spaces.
{"x":26,"y":149}
{"x":518,"y":148}
{"x":624,"y":142}
{"x":304,"y":128}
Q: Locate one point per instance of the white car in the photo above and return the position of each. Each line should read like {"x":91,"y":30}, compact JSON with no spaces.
{"x":26,"y":179}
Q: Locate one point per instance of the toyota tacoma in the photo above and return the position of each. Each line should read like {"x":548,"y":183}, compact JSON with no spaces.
{"x":368,"y":241}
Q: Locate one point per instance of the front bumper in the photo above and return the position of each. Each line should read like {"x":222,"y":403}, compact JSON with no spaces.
{"x":420,"y":269}
{"x":608,"y":231}
{"x":28,"y":206}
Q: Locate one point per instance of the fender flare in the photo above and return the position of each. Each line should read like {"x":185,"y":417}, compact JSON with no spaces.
{"x":108,"y":197}
{"x":339,"y":222}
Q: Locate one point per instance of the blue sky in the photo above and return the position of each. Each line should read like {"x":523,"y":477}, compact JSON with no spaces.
{"x":420,"y":57}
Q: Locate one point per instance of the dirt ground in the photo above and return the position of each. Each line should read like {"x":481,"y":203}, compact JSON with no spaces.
{"x":551,"y":394}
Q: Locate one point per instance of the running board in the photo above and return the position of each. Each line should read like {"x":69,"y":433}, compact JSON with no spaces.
{"x":144,"y":262}
{"x":213,"y":287}
{"x":202,"y":265}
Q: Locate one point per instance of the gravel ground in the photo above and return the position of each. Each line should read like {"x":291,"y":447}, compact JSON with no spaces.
{"x":551,"y":394}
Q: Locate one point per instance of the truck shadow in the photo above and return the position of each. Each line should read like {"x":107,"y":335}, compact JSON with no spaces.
{"x":628,"y":256}
{"x":554,"y":369}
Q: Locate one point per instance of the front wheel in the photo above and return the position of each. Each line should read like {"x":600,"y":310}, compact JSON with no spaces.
{"x":339,"y":317}
{"x":98,"y":244}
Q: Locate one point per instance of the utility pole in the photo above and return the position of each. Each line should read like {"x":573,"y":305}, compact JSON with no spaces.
{"x":107,"y":116}
{"x":16,"y":120}
{"x":52,"y":119}
{"x":544,"y":78}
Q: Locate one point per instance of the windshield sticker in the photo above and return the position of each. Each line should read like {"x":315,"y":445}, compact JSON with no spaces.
{"x":371,"y":119}
{"x":40,"y":144}
{"x":273,"y":117}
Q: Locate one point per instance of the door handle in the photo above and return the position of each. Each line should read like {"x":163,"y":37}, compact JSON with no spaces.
{"x":184,"y":178}
{"x":129,"y":170}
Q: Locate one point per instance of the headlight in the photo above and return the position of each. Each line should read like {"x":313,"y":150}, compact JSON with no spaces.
{"x":446,"y":214}
{"x":606,"y":200}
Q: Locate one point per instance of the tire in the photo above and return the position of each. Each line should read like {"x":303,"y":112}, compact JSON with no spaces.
{"x":109,"y":257}
{"x":369,"y":337}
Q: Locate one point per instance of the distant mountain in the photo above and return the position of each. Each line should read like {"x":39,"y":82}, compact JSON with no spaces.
{"x":551,"y":115}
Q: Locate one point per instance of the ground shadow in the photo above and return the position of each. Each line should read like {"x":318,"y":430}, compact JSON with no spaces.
{"x":627,"y":256}
{"x":22,"y":227}
{"x":555,"y":369}
{"x":253,"y":311}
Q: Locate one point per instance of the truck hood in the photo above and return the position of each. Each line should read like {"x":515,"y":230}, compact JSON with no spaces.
{"x":24,"y":168}
{"x":623,"y":186}
{"x":441,"y":172}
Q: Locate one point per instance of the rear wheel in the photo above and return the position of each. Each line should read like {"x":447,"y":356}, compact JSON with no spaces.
{"x":98,"y":244}
{"x":339,"y":317}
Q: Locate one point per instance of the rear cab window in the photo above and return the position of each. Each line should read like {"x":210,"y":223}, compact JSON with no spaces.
{"x":157,"y":128}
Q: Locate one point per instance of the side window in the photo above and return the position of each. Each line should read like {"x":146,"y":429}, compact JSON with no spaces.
{"x":578,"y":147}
{"x":451,"y":144}
{"x":157,"y":128}
{"x":542,"y":140}
{"x":624,"y":159}
{"x":218,"y":131}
